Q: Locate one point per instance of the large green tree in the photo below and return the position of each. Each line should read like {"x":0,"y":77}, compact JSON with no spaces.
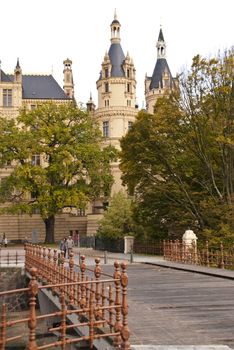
{"x":117,"y":220}
{"x":179,"y":162}
{"x":72,"y":170}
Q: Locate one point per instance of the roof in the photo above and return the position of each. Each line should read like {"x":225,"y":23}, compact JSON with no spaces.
{"x":39,"y":87}
{"x":160,"y":36}
{"x":160,"y":67}
{"x":4,"y":77}
{"x":115,"y":21}
{"x":42,"y":87}
{"x":117,"y":59}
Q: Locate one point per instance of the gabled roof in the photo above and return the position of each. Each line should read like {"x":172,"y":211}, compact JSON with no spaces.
{"x":160,"y":67}
{"x":117,"y":59}
{"x":41,"y":87}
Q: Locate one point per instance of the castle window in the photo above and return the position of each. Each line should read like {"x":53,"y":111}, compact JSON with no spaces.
{"x":128,"y":87}
{"x":36,"y":159}
{"x":106,"y":73}
{"x":106,"y":103}
{"x":7,"y":98}
{"x":129,"y":103}
{"x":128,"y":73}
{"x":106,"y":87}
{"x":105,"y":127}
{"x":130,"y":125}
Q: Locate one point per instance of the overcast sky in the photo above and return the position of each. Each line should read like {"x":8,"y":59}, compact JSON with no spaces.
{"x":42,"y":33}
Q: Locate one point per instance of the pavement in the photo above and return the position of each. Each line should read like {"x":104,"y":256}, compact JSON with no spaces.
{"x":173,"y":347}
{"x":109,"y":258}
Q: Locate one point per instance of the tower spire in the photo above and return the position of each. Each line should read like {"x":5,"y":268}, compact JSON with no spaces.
{"x":161,"y":45}
{"x":68,"y":78}
{"x":115,"y":30}
{"x":18,"y":72}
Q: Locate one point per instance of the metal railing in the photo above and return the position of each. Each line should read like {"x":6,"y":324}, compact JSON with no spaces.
{"x":207,"y":255}
{"x":98,"y":300}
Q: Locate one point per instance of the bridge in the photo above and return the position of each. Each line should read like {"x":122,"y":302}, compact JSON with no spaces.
{"x":171,"y":305}
{"x":72,"y":297}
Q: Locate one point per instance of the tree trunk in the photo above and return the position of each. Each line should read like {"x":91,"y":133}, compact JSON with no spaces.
{"x":49,"y":226}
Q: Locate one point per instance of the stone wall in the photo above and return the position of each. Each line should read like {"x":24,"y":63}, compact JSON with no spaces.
{"x":14,"y":278}
{"x":17,"y":227}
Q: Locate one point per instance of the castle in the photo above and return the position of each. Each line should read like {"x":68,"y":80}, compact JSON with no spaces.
{"x":115,"y":113}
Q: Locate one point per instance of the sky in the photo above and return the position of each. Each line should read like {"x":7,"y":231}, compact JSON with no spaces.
{"x":42,"y":33}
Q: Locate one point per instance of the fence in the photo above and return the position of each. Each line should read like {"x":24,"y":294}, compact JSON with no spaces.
{"x":148,"y":247}
{"x":98,"y":300}
{"x":207,"y":255}
{"x":111,"y":245}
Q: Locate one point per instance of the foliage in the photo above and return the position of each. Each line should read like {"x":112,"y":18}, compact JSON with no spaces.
{"x":72,"y":169}
{"x":179,"y":162}
{"x":117,"y":221}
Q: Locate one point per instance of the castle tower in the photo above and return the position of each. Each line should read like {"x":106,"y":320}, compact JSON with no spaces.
{"x":116,"y":96}
{"x":68,"y":86}
{"x":90,"y":105}
{"x":161,"y":81}
{"x":18,"y":84}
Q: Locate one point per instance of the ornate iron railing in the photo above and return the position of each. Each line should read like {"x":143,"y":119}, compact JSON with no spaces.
{"x":207,"y":255}
{"x":98,"y":300}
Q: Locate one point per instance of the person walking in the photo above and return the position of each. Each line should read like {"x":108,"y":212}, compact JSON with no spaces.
{"x":63,"y":246}
{"x":4,"y":240}
{"x":70,"y":245}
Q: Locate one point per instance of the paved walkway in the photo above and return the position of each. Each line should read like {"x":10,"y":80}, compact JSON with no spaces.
{"x":174,"y":306}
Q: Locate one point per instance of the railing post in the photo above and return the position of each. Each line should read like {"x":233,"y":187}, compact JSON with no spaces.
{"x":164,"y":249}
{"x":111,"y":302}
{"x":71,"y":288}
{"x":45,"y":269}
{"x":117,"y":326}
{"x":3,"y":328}
{"x":33,"y":290}
{"x":97,"y":272}
{"x":125,"y":333}
{"x":63,"y":319}
{"x":50,"y":273}
{"x":83,"y":287}
{"x":91,"y":316}
{"x":207,"y":254}
{"x":221,"y":256}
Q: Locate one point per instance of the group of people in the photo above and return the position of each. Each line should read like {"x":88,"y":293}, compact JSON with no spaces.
{"x":4,"y":241}
{"x":66,"y":246}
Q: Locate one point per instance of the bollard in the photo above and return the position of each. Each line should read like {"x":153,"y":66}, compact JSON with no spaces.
{"x":105,"y":257}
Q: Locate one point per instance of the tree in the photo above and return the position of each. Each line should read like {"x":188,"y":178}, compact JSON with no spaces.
{"x":179,"y":162}
{"x":117,"y":220}
{"x":57,"y":162}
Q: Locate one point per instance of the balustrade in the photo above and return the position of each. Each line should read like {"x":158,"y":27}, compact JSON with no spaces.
{"x":81,"y":291}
